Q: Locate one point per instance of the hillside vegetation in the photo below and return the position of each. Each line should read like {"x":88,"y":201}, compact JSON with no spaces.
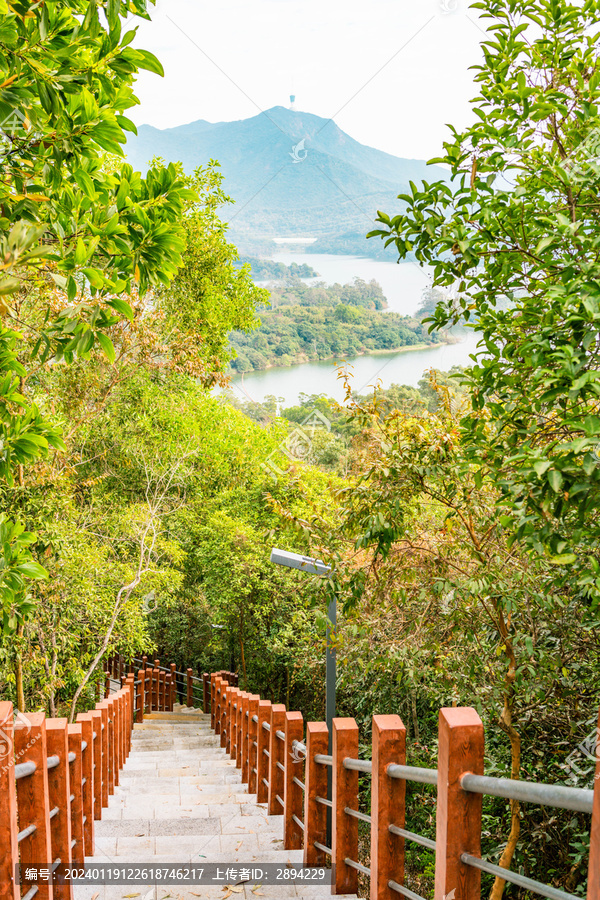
{"x":461,"y":518}
{"x":320,"y":322}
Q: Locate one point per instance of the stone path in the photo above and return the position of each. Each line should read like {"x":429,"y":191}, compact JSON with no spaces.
{"x":180,"y":800}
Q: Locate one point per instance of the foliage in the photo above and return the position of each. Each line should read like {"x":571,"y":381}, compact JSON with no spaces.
{"x":267,"y":269}
{"x":69,"y":222}
{"x":515,"y":236}
{"x":320,"y":322}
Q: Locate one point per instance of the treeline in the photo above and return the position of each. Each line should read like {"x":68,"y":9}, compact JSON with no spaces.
{"x":266,"y":269}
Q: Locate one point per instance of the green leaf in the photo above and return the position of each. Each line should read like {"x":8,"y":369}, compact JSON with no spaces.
{"x":106,"y":344}
{"x":122,"y":307}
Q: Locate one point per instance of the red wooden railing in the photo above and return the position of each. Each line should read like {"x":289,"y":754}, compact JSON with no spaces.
{"x":291,"y":776}
{"x":157,"y":687}
{"x":55,"y":779}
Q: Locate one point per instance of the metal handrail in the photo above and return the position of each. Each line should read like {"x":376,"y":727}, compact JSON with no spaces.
{"x":266,"y":752}
{"x":31,"y":893}
{"x":280,"y":735}
{"x":521,"y":880}
{"x":554,"y":795}
{"x":52,"y":762}
{"x":266,"y":726}
{"x":357,"y":765}
{"x":72,"y":757}
{"x":54,"y":812}
{"x":277,"y":797}
{"x":406,"y":892}
{"x":323,"y":848}
{"x":255,"y":719}
{"x":298,"y":821}
{"x":298,"y":745}
{"x":31,"y":829}
{"x":357,"y":866}
{"x":324,"y":801}
{"x":83,"y":746}
{"x":299,"y":783}
{"x":357,"y":815}
{"x":280,"y":766}
{"x":22,"y":770}
{"x":412,"y":773}
{"x":411,"y":836}
{"x":323,"y":759}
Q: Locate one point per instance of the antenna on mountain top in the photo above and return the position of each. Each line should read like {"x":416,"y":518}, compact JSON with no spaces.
{"x":292,"y":101}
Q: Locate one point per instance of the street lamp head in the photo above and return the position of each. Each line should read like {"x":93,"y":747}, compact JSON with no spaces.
{"x":295,"y":561}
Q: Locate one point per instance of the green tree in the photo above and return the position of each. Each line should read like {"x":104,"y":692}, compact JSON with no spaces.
{"x":515,"y":234}
{"x":69,"y":224}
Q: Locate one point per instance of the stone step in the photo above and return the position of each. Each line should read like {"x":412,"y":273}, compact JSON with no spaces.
{"x":180,"y":800}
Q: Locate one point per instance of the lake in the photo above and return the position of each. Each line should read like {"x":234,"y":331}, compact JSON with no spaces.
{"x":402,"y":284}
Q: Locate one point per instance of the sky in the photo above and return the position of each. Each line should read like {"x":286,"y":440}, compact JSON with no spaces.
{"x":391,"y":73}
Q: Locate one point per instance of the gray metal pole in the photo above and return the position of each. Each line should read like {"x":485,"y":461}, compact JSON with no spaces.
{"x":330,"y":673}
{"x":330,"y":678}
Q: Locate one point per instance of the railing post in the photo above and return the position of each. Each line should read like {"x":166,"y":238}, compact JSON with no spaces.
{"x":344,"y":793}
{"x":96,"y":716}
{"x":315,"y":785}
{"x":168,"y":692}
{"x":59,"y":796}
{"x":228,"y":718}
{"x":262,"y":760}
{"x":130,"y":711}
{"x":293,"y":836}
{"x":75,"y":738}
{"x":118,"y":733}
{"x":88,"y":758}
{"x":32,"y":798}
{"x":387,"y":806}
{"x":458,"y":819}
{"x":107,"y":685}
{"x":139,"y":699}
{"x":276,"y":749}
{"x":102,"y":708}
{"x":239,"y":736}
{"x":252,"y":742}
{"x":9,"y":848}
{"x":234,"y":697}
{"x":155,"y":674}
{"x":213,"y":698}
{"x":190,"y":696}
{"x":110,"y":707}
{"x":244,"y":752}
{"x":161,"y":691}
{"x":173,"y":686}
{"x":217,"y":706}
{"x":122,"y":725}
{"x":593,"y":892}
{"x":206,"y":699}
{"x":239,"y":740}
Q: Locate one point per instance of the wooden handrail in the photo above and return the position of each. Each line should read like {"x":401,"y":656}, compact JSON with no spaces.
{"x":292,"y":777}
{"x":67,"y":772}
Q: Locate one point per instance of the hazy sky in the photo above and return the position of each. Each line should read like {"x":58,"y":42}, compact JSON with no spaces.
{"x":390,"y":72}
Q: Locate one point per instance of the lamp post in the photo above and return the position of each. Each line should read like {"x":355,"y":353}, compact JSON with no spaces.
{"x":316,"y":567}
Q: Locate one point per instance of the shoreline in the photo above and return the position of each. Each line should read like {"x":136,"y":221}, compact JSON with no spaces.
{"x":450,"y":340}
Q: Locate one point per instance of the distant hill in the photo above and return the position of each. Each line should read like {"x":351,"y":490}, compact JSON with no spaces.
{"x":290,"y":173}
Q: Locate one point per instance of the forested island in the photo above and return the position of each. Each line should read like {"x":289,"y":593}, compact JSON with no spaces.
{"x":268,"y":269}
{"x":307,"y":323}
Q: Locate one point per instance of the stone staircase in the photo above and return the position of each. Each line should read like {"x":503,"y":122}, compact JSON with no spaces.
{"x":180,"y":800}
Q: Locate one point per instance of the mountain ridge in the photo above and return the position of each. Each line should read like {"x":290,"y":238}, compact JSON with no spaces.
{"x":289,"y":172}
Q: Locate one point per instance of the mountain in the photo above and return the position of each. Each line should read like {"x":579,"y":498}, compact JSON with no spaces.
{"x":290,"y":173}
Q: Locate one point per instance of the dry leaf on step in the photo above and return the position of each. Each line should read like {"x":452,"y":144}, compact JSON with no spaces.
{"x":130,"y":895}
